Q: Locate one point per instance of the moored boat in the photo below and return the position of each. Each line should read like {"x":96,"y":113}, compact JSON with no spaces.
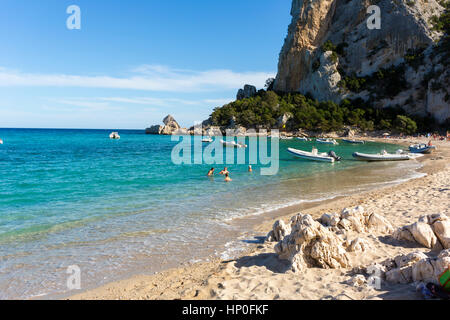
{"x":354,"y":141}
{"x":207,"y":140}
{"x":233,"y":144}
{"x":114,"y":136}
{"x":327,"y":141}
{"x":422,"y":148}
{"x":382,"y":156}
{"x":313,"y":155}
{"x":303,"y":139}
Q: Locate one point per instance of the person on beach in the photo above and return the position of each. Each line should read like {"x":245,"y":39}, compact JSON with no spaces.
{"x":211,"y":172}
{"x":250,"y":169}
{"x":224,"y":171}
{"x":227,"y":177}
{"x":430,"y":143}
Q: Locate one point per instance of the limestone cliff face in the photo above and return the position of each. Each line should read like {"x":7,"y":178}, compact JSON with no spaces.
{"x":304,"y":66}
{"x":310,"y":23}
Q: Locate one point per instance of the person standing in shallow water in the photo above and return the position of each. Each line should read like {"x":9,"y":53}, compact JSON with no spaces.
{"x":211,"y":172}
{"x":227,"y":177}
{"x":224,"y":171}
{"x":250,"y":169}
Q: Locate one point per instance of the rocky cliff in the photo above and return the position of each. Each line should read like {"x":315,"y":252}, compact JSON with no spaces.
{"x":329,"y":41}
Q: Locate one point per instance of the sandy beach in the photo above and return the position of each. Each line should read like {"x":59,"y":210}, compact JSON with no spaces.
{"x":260,"y":274}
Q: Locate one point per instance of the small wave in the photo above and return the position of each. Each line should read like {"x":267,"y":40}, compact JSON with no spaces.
{"x":233,"y":250}
{"x":266,"y":208}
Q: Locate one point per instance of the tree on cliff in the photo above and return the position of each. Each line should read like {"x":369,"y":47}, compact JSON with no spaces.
{"x":269,"y":84}
{"x":404,"y":124}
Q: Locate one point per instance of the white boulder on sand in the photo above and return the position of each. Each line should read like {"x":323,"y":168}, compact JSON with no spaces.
{"x":310,"y":244}
{"x":357,"y":219}
{"x":331,"y":219}
{"x":358,"y":245}
{"x":307,"y":243}
{"x":278,"y":232}
{"x":441,"y":228}
{"x":432,"y":231}
{"x":416,"y":267}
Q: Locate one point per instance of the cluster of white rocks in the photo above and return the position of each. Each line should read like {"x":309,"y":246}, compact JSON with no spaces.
{"x":356,"y":219}
{"x":432,"y":231}
{"x":307,"y":243}
{"x":408,"y":268}
{"x":324,"y":243}
{"x":310,"y":244}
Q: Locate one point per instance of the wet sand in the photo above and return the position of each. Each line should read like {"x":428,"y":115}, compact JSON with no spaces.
{"x":258,"y":273}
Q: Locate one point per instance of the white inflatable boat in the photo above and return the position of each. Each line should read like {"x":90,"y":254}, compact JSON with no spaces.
{"x":383,"y":156}
{"x":327,"y":141}
{"x":314,"y":155}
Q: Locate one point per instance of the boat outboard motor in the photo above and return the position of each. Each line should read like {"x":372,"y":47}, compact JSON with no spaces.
{"x":334,"y":155}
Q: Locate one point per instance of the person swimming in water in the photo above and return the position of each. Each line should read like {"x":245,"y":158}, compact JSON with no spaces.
{"x":250,"y":169}
{"x":224,"y":171}
{"x":227,"y":177}
{"x":211,"y":172}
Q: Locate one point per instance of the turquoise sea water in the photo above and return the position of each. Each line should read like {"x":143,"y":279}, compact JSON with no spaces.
{"x":75,"y":197}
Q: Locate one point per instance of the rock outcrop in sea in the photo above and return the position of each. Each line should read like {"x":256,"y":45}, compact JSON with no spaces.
{"x":329,"y":40}
{"x":170,"y":127}
{"x":415,"y":267}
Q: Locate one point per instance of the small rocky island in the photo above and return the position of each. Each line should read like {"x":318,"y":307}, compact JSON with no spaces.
{"x":170,"y":127}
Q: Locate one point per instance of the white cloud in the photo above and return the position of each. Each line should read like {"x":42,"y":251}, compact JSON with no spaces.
{"x":105,"y":102}
{"x":146,"y":78}
{"x":84,"y":103}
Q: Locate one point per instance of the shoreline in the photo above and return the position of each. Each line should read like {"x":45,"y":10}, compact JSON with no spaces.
{"x":195,"y":280}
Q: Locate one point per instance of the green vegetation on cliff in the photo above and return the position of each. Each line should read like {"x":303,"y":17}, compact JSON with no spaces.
{"x":266,"y":107}
{"x":386,"y":82}
{"x":442,"y":23}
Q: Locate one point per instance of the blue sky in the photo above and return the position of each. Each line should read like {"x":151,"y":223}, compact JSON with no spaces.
{"x":132,"y":62}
